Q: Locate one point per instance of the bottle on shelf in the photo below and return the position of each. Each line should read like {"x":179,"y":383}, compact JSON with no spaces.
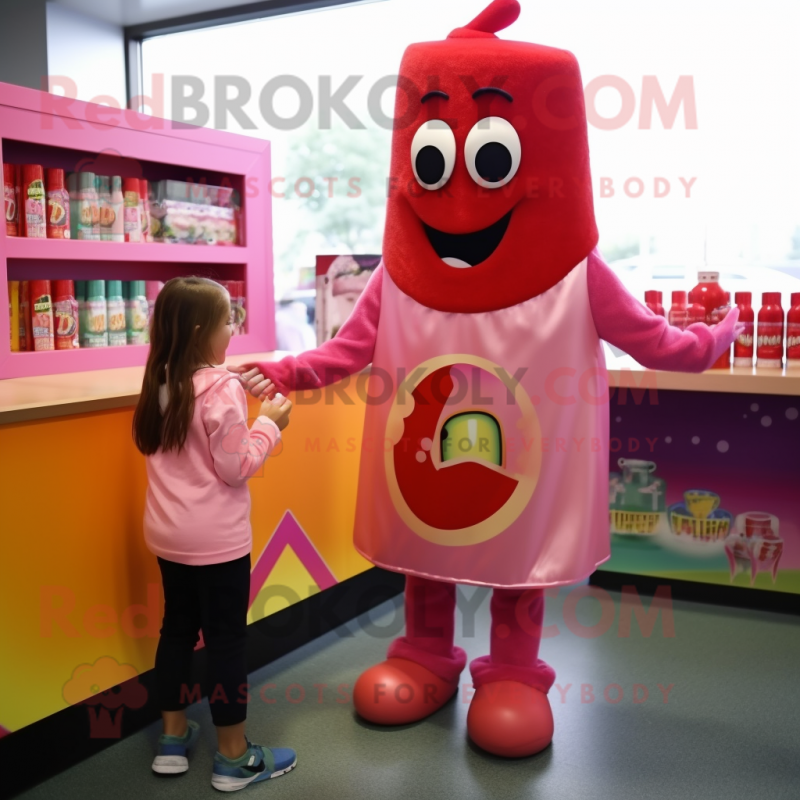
{"x":679,"y":311}
{"x":32,"y":212}
{"x":25,"y":331}
{"x":80,"y":297}
{"x":96,"y":331}
{"x":144,"y":210}
{"x":769,"y":347}
{"x":717,"y":315}
{"x":117,"y":210}
{"x":89,"y":220}
{"x":10,"y":199}
{"x":115,"y":305}
{"x":65,"y":306}
{"x":696,"y":310}
{"x":708,"y":292}
{"x":793,"y":333}
{"x":152,"y":288}
{"x":743,"y":346}
{"x":242,"y":310}
{"x":652,"y":299}
{"x":58,"y":206}
{"x":133,"y":224}
{"x":13,"y":314}
{"x":74,"y":191}
{"x":42,"y":315}
{"x":136,"y":313}
{"x":103,"y":184}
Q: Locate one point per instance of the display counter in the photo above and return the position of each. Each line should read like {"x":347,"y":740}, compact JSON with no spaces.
{"x":78,"y":583}
{"x":703,"y":484}
{"x":80,"y":594}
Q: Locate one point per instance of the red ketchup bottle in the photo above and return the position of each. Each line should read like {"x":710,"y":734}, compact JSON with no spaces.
{"x":65,"y":309}
{"x":697,"y":309}
{"x":793,"y":333}
{"x":743,"y":346}
{"x":652,"y":299}
{"x":709,"y":293}
{"x":679,"y":311}
{"x":769,"y":347}
{"x":10,"y":199}
{"x":717,"y":315}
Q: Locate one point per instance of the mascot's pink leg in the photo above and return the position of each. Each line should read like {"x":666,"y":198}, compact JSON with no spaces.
{"x":421,"y":672}
{"x":509,"y":714}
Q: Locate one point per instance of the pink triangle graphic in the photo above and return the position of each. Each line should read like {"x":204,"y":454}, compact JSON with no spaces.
{"x":4,"y":731}
{"x":289,"y":533}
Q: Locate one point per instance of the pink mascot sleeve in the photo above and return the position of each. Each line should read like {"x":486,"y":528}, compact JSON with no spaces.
{"x":348,"y":352}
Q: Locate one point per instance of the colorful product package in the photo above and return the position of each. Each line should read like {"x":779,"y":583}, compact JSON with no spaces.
{"x":192,"y":213}
{"x":42,"y":315}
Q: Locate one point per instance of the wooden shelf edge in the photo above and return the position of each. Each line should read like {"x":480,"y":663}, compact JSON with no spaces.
{"x":48,"y":396}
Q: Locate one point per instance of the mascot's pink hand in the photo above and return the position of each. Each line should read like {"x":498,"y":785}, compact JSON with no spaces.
{"x":730,"y":327}
{"x":726,"y":332}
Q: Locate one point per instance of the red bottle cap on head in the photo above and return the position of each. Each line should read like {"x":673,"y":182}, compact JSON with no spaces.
{"x":652,"y":296}
{"x":743,"y":298}
{"x":32,"y":172}
{"x":795,"y":299}
{"x":679,"y":298}
{"x":39,"y":288}
{"x":63,"y":288}
{"x":130,"y":185}
{"x":771,"y":298}
{"x":9,"y":173}
{"x":55,"y":178}
{"x":143,"y":188}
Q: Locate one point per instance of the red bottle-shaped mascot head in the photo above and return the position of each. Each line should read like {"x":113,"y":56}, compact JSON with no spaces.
{"x":490,"y":196}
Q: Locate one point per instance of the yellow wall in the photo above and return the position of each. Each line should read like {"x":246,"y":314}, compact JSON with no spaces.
{"x":72,"y":496}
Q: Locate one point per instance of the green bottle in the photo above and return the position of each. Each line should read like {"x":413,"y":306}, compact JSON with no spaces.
{"x":136,"y":313}
{"x":94,"y":333}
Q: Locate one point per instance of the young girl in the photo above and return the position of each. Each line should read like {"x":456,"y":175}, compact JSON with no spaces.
{"x":191,"y":423}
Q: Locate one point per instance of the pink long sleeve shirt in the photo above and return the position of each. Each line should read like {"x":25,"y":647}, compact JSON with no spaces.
{"x":469,"y":475}
{"x":197,"y":508}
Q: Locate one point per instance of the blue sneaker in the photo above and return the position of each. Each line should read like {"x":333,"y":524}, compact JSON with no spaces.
{"x":171,"y":758}
{"x":257,"y":764}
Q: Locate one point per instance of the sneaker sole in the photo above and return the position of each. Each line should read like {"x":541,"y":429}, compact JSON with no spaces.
{"x":224,"y":783}
{"x":170,"y":765}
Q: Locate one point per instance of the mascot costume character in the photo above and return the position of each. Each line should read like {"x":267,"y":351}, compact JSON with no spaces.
{"x":485,"y":452}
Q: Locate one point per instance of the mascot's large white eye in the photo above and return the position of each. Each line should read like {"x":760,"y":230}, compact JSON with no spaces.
{"x":433,"y":154}
{"x":493,"y":152}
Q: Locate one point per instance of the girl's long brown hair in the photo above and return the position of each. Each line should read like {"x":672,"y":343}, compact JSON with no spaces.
{"x":186,"y":313}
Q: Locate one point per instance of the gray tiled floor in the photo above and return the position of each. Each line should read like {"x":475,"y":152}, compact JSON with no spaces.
{"x":728,"y":730}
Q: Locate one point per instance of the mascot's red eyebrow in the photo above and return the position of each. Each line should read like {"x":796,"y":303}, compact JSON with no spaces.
{"x":493,"y":90}
{"x":436,"y":93}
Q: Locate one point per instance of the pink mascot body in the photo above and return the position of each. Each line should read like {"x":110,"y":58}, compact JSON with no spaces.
{"x":485,"y":451}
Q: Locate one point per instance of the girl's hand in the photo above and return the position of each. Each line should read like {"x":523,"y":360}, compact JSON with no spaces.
{"x":277,"y":410}
{"x":254,"y":382}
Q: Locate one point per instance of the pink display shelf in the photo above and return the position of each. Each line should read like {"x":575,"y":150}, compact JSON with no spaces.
{"x":39,"y":128}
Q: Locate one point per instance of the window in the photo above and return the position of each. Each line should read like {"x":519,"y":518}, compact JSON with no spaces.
{"x":671,"y":196}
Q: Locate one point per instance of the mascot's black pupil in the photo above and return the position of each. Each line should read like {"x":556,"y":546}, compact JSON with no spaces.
{"x":493,"y":162}
{"x":430,"y":164}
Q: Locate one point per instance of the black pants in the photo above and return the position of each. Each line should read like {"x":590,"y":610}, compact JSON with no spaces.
{"x":215,"y":598}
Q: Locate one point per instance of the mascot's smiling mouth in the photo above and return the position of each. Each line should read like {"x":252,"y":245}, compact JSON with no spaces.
{"x":467,"y":249}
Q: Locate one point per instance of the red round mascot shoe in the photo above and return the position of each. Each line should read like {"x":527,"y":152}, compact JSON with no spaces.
{"x":510,"y":719}
{"x":398,"y":691}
